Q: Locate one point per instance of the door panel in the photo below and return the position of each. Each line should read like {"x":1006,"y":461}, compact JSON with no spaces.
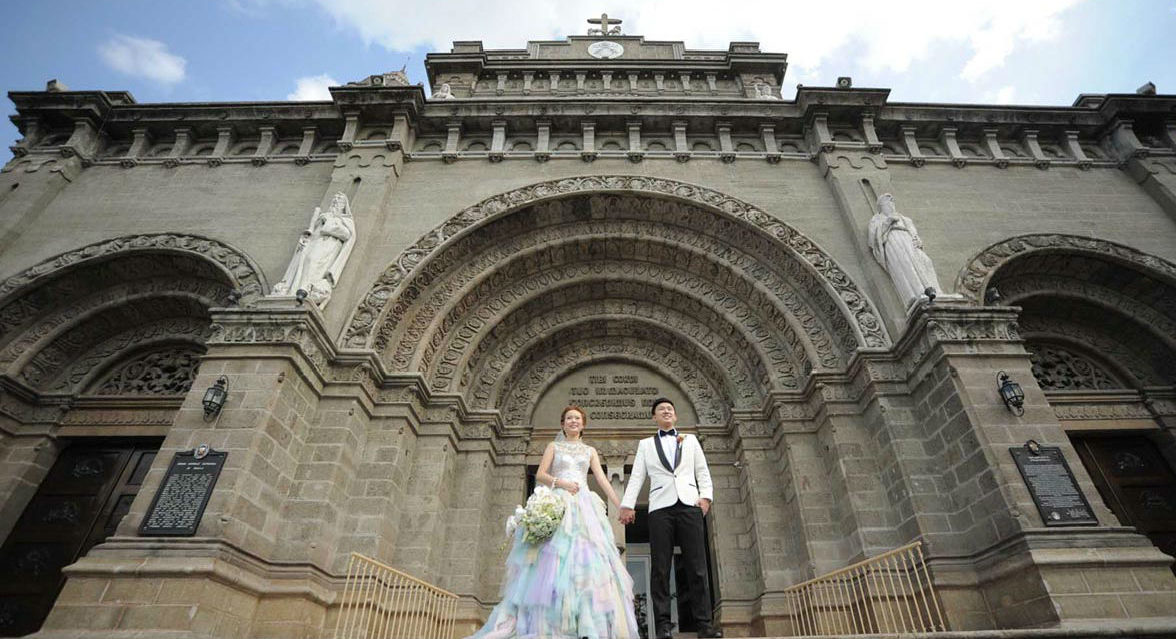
{"x":79,"y":504}
{"x":1136,"y":482}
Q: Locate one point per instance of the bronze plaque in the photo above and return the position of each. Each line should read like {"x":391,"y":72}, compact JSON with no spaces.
{"x":1052,"y":486}
{"x":183,"y":494}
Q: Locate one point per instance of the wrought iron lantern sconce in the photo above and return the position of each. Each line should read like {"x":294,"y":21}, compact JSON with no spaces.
{"x":214,"y":398}
{"x":1011,"y":393}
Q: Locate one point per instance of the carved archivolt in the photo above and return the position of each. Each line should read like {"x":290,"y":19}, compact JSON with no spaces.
{"x":403,"y":281}
{"x":975,"y":277}
{"x":1157,"y":314}
{"x":101,"y":336}
{"x":1128,"y":346}
{"x":621,"y":290}
{"x":550,"y":359}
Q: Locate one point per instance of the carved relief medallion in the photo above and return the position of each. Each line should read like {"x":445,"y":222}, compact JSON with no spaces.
{"x":605,"y":50}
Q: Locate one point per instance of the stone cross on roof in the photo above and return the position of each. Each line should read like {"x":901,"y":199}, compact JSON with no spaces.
{"x":604,"y":21}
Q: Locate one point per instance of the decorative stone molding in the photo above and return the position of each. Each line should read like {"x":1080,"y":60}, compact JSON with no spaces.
{"x":275,"y":322}
{"x":1059,"y":368}
{"x":712,"y":336}
{"x":866,"y":323}
{"x":96,"y":338}
{"x":545,"y":360}
{"x":974,"y":277}
{"x":245,"y":275}
{"x":1140,"y":355}
{"x":190,"y":331}
{"x":770,"y":342}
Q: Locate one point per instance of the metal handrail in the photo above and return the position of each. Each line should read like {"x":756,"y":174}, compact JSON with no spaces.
{"x":381,"y":602}
{"x":891,"y":593}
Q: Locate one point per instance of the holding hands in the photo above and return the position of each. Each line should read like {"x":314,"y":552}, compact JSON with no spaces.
{"x":627,"y":516}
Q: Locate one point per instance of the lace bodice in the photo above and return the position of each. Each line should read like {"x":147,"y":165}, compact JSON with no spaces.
{"x":571,"y":461}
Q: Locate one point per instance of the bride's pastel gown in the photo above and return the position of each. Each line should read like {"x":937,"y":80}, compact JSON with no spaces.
{"x":574,"y":584}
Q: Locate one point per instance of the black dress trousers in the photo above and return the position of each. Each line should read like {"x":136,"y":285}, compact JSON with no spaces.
{"x":678,"y":525}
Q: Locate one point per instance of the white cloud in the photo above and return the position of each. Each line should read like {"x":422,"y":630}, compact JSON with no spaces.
{"x":1003,"y":95}
{"x":144,"y":58}
{"x":880,"y":35}
{"x":313,"y":87}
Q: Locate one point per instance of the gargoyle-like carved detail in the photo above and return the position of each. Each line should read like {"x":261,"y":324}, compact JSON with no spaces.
{"x":866,"y":323}
{"x":974,"y":277}
{"x":245,"y":275}
{"x":166,"y":372}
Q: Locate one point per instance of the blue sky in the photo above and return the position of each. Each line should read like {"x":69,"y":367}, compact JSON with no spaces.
{"x":997,"y":51}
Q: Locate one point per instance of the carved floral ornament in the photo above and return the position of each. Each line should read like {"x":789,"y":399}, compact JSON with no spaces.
{"x":371,"y":313}
{"x":976,"y":276}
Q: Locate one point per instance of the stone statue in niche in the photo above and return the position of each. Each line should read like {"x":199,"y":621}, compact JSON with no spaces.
{"x":443,"y":93}
{"x":896,"y":244}
{"x":322,"y":253}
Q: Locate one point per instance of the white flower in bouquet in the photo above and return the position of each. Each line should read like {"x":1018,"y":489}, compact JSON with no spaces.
{"x":542,"y":515}
{"x":512,"y":522}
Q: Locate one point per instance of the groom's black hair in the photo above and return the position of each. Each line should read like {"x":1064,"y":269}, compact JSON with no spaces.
{"x":660,"y":400}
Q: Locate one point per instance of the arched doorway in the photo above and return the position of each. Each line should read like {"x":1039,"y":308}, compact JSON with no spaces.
{"x":97,"y":349}
{"x":614,"y":277}
{"x":1099,"y":323}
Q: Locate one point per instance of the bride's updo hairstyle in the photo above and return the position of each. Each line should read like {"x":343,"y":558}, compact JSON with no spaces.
{"x":573,"y":407}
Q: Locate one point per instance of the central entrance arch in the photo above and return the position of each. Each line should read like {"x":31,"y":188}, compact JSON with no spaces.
{"x":644,"y":283}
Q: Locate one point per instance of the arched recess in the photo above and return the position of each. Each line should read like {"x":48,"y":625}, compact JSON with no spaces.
{"x":469,"y":304}
{"x":1096,"y":315}
{"x":122,"y":316}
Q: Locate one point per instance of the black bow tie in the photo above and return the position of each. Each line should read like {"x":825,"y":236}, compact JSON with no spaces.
{"x":673,"y":432}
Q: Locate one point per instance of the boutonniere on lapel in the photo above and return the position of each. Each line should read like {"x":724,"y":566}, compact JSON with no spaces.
{"x":680,"y":438}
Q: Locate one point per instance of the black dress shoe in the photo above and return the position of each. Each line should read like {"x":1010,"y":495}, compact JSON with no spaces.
{"x":708,"y":632}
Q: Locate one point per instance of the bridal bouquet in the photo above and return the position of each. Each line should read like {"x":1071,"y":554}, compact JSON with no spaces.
{"x":540,"y":517}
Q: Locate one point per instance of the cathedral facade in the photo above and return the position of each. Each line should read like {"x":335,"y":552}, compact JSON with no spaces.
{"x":395,"y":292}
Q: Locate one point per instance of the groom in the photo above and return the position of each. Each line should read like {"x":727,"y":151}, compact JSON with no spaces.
{"x":680,"y":494}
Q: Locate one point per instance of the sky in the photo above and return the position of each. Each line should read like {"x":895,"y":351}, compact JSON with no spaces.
{"x":1032,"y":52}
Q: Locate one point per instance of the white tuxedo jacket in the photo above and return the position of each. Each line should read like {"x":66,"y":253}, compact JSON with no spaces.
{"x":688,"y":481}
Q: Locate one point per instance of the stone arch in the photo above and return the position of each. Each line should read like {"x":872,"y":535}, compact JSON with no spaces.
{"x":395,"y":285}
{"x":482,"y":303}
{"x":80,"y":315}
{"x":1094,"y":313}
{"x":974,"y":278}
{"x":523,"y":375}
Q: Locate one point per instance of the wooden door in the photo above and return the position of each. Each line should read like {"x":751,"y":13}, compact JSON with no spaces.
{"x":1136,"y":482}
{"x":77,"y":506}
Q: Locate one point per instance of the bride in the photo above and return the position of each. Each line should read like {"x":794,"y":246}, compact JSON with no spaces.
{"x":573,"y":584}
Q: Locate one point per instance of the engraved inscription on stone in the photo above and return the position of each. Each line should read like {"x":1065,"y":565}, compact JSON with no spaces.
{"x":615,"y":395}
{"x":180,"y":502}
{"x":1053,"y":488}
